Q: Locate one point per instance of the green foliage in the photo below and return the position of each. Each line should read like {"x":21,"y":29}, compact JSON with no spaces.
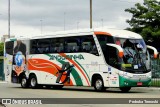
{"x":1,"y":49}
{"x":146,"y":19}
{"x":155,"y":83}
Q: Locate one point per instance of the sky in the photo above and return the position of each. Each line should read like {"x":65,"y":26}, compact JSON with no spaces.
{"x":40,"y":17}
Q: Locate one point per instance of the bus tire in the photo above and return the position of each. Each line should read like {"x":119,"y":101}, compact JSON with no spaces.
{"x":125,"y":89}
{"x":24,"y":82}
{"x":33,"y":81}
{"x":98,"y":84}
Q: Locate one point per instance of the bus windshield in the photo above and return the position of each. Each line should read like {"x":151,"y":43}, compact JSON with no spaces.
{"x":135,"y":55}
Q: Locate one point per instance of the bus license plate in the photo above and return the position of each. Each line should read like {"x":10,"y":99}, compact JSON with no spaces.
{"x":139,"y":83}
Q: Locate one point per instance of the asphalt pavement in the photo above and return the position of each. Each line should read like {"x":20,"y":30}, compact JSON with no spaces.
{"x":8,"y":90}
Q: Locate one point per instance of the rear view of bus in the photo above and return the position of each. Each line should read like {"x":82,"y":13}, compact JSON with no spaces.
{"x":128,"y":58}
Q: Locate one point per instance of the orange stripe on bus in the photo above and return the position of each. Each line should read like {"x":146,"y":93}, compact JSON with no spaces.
{"x":102,"y":33}
{"x":46,"y":66}
{"x":75,"y":64}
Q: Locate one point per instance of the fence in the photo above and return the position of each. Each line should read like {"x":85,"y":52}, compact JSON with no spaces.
{"x":1,"y":70}
{"x":155,"y":73}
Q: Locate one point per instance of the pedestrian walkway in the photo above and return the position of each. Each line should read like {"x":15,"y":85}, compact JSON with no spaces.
{"x":2,"y":82}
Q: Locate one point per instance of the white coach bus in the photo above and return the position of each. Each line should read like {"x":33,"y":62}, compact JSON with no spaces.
{"x":99,"y":58}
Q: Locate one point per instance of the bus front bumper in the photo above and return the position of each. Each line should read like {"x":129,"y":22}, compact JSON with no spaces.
{"x":126,"y":82}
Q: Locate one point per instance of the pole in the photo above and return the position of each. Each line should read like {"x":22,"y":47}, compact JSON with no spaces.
{"x":8,"y":18}
{"x":91,"y":14}
{"x":41,"y":26}
{"x":102,"y":22}
{"x":64,"y":20}
{"x":77,"y":25}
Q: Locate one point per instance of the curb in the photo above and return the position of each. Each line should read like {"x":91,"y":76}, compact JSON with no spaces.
{"x":155,"y":88}
{"x":3,"y":82}
{"x":147,"y":88}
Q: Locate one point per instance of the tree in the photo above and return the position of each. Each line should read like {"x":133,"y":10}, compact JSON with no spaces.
{"x":1,"y":49}
{"x":146,"y":20}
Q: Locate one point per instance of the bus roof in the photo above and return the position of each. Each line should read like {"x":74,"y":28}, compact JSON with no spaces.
{"x":120,"y":33}
{"x":111,"y":32}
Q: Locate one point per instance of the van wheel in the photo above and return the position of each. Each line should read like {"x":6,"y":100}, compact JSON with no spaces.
{"x":125,"y":89}
{"x":98,"y":84}
{"x":33,"y":81}
{"x":24,"y":83}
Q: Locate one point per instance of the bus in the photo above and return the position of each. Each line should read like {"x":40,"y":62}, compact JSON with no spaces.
{"x":100,"y":58}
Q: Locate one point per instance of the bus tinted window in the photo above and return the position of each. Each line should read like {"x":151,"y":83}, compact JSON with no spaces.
{"x":9,"y":47}
{"x":64,"y":45}
{"x":33,"y":47}
{"x":111,"y":57}
{"x":88,"y":45}
{"x":105,"y":39}
{"x":57,"y":45}
{"x":72,"y":44}
{"x":110,"y":39}
{"x":43,"y":46}
{"x":39,"y":46}
{"x":80,"y":44}
{"x":108,"y":52}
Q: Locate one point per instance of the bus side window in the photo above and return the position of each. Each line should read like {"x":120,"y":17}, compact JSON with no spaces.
{"x":52,"y":45}
{"x":71,"y":44}
{"x":88,"y":45}
{"x":33,"y":47}
{"x":85,"y":47}
{"x":94,"y":50}
{"x":56,"y":48}
{"x":61,"y":49}
{"x":112,"y":58}
{"x":57,"y":45}
{"x":110,"y":39}
{"x":9,"y":47}
{"x":52,"y":48}
{"x":43,"y":46}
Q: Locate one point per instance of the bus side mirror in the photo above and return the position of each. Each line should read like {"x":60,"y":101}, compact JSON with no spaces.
{"x":119,"y":48}
{"x":152,"y":51}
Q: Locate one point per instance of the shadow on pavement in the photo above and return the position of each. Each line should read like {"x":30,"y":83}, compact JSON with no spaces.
{"x":85,"y":89}
{"x":2,"y":105}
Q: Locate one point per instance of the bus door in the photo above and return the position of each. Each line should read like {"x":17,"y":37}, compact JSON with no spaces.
{"x":113,"y":62}
{"x":8,"y":57}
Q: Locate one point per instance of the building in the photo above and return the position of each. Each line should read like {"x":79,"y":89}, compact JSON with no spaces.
{"x":4,"y":37}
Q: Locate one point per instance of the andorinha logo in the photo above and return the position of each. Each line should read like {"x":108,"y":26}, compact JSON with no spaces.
{"x":75,"y":57}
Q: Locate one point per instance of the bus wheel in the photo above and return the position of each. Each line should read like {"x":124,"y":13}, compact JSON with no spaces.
{"x":98,"y":84}
{"x":33,"y":81}
{"x":125,"y":89}
{"x":24,"y":83}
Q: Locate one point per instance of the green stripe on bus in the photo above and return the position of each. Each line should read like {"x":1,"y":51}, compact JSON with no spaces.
{"x":74,"y":73}
{"x":125,"y":82}
{"x":13,"y":39}
{"x":83,"y":69}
